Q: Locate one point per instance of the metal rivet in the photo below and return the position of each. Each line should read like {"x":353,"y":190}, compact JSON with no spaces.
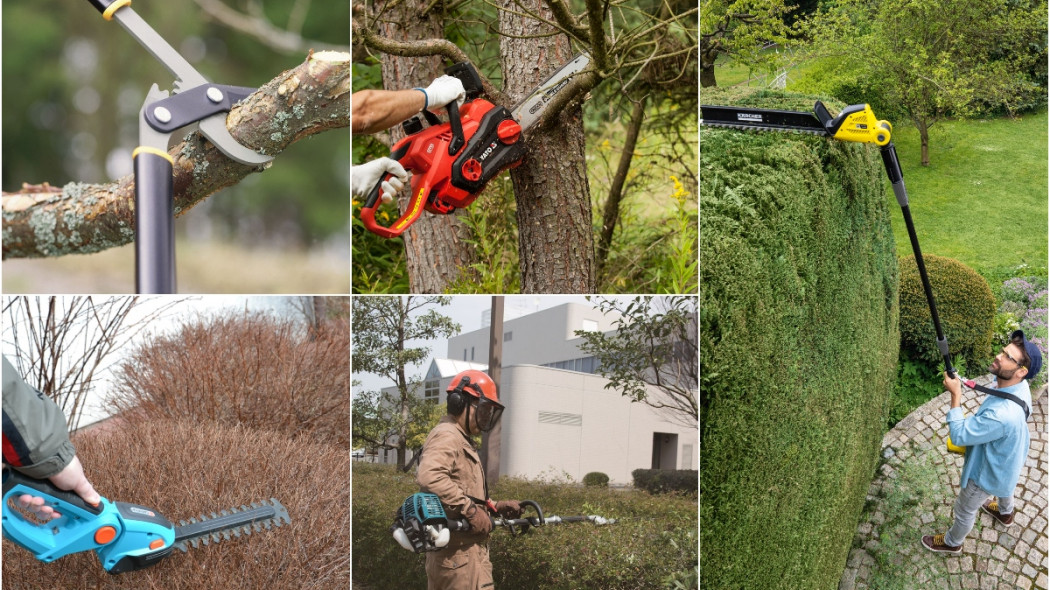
{"x":215,"y":95}
{"x":162,"y":114}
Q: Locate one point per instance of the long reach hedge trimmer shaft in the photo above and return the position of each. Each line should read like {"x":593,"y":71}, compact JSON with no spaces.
{"x":422,"y":525}
{"x":858,"y":124}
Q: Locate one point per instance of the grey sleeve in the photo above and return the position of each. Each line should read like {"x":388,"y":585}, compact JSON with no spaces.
{"x":36,"y":439}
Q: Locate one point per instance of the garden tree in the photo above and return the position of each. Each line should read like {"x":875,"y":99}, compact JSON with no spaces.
{"x":62,"y":343}
{"x":382,"y":329}
{"x":933,"y":59}
{"x":555,"y":233}
{"x":41,"y":220}
{"x":378,"y":420}
{"x":738,"y":28}
{"x":654,"y":346}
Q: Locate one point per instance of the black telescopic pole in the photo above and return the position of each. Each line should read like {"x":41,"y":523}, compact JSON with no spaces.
{"x":893,"y":170}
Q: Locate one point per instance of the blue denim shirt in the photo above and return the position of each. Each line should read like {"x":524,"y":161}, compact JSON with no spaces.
{"x":998,"y":438}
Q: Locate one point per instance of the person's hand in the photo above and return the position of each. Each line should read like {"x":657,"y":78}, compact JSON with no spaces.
{"x":509,"y":508}
{"x":480,"y":521}
{"x":71,"y":478}
{"x":365,"y":176}
{"x":954,"y":386}
{"x":444,"y":90}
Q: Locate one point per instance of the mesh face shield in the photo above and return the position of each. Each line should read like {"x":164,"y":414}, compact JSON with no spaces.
{"x":488,"y":413}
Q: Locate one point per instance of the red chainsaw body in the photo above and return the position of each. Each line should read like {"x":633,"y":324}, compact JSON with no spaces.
{"x":447,"y":173}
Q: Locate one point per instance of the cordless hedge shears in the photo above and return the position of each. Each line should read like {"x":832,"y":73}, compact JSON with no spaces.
{"x":451,"y":162}
{"x":195,"y":102}
{"x":856,"y":123}
{"x":126,"y":537}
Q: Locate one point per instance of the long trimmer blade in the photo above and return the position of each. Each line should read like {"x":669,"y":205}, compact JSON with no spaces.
{"x":231,"y":523}
{"x":761,"y":119}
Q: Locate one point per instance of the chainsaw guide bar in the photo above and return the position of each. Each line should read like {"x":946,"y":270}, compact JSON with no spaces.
{"x":232,"y":523}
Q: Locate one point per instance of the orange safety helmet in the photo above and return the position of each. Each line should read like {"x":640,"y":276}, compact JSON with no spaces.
{"x":480,"y":386}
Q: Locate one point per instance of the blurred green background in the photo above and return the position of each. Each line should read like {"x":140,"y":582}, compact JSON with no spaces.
{"x":72,"y":88}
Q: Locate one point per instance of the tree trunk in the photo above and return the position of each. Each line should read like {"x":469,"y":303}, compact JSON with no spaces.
{"x":708,"y":55}
{"x":434,"y":245}
{"x":555,"y":236}
{"x":924,"y":136}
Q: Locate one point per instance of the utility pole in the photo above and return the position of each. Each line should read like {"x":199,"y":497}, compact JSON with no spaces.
{"x":490,"y":441}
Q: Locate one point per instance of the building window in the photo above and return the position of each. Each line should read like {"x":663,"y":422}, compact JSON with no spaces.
{"x":464,"y":354}
{"x":508,"y":336}
{"x":472,"y":353}
{"x":431,"y":391}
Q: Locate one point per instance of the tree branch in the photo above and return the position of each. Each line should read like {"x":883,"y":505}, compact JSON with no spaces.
{"x":41,"y":221}
{"x":263,"y":30}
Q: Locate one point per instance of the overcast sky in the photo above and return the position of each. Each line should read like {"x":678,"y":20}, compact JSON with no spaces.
{"x":467,"y":311}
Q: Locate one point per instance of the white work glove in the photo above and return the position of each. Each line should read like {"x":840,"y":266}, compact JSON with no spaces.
{"x":442,"y":91}
{"x":365,"y":176}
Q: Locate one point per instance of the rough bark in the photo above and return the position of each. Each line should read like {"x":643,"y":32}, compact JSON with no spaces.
{"x":555,"y":235}
{"x":43,"y":221}
{"x":434,"y":248}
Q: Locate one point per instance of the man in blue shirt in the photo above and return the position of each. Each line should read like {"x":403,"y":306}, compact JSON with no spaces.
{"x":997,"y":438}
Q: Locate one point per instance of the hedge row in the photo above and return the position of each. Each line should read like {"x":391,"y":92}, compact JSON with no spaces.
{"x":654,"y":541}
{"x":798,"y":348}
{"x":657,"y":481}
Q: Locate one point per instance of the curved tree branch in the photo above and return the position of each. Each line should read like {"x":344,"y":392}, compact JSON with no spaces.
{"x":41,"y":221}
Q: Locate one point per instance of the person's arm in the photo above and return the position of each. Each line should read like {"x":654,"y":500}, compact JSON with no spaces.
{"x":435,"y":471}
{"x":372,"y":111}
{"x":36,"y":442}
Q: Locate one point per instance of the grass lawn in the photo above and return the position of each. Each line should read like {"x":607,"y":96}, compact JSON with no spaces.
{"x":983,"y":198}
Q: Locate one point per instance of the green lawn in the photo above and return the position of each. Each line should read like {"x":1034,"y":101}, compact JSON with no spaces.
{"x":983,"y":198}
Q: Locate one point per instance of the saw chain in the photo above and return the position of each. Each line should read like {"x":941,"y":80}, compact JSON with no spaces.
{"x":126,"y":537}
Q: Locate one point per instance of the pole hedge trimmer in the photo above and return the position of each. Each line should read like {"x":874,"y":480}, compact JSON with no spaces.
{"x":195,"y":103}
{"x":451,"y":162}
{"x":421,"y":523}
{"x":858,"y":124}
{"x":126,"y":537}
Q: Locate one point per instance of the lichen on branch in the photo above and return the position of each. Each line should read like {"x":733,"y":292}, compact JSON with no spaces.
{"x":45,"y":221}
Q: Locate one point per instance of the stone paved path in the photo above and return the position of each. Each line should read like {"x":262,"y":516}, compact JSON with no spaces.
{"x":912,"y":495}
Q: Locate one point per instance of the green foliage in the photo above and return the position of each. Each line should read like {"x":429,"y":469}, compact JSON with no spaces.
{"x":596,"y":478}
{"x":654,"y":536}
{"x":662,"y":481}
{"x":1024,"y":307}
{"x":493,"y":232}
{"x":741,"y":28}
{"x":798,"y":348}
{"x":965,"y":58}
{"x":965,"y":306}
{"x":917,"y":383}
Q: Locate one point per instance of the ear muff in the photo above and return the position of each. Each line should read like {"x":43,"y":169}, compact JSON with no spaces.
{"x":456,"y":399}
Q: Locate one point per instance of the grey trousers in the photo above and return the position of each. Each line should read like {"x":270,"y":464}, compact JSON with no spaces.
{"x":970,"y":500}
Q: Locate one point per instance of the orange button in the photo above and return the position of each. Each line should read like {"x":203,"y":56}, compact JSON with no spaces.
{"x":105,"y":535}
{"x":157,"y":544}
{"x":508,"y":131}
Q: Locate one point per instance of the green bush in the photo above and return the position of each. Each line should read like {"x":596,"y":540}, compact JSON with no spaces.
{"x":798,"y":347}
{"x":655,"y":536}
{"x":659,"y":481}
{"x":596,"y":478}
{"x":964,"y":303}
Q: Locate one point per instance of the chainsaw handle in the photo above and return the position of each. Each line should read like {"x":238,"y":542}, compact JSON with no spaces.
{"x":411,"y":214}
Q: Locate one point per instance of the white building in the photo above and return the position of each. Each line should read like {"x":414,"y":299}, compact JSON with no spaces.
{"x":560,"y":419}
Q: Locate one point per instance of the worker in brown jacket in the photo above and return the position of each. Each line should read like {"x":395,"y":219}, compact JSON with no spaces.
{"x":450,"y":467}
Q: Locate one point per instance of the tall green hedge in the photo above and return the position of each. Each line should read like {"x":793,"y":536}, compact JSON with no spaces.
{"x":798,"y":348}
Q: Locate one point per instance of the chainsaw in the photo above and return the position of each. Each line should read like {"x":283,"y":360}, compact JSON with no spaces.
{"x":126,"y":537}
{"x":451,"y":162}
{"x":422,"y":525}
{"x":855,"y":123}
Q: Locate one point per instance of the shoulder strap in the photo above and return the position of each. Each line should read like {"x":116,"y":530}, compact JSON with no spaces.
{"x":1004,"y":395}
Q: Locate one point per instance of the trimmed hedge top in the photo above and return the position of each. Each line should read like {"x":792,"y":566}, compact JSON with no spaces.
{"x":798,"y":347}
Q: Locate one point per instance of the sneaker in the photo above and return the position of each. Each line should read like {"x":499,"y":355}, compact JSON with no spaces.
{"x":936,"y":544}
{"x":992,"y":507}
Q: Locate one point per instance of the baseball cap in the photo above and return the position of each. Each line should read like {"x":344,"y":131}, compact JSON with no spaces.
{"x":1033,"y":353}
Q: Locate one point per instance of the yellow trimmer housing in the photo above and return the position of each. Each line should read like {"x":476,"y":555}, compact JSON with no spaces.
{"x":857,"y":123}
{"x":954,"y":448}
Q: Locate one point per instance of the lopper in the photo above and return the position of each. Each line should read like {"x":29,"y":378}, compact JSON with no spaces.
{"x":194,"y":103}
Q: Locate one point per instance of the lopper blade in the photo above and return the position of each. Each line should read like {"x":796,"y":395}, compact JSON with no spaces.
{"x":231,"y":523}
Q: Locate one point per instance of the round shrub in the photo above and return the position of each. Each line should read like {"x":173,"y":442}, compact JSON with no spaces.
{"x":964,"y":303}
{"x":798,"y":347}
{"x":597,"y":479}
{"x":184,"y":470}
